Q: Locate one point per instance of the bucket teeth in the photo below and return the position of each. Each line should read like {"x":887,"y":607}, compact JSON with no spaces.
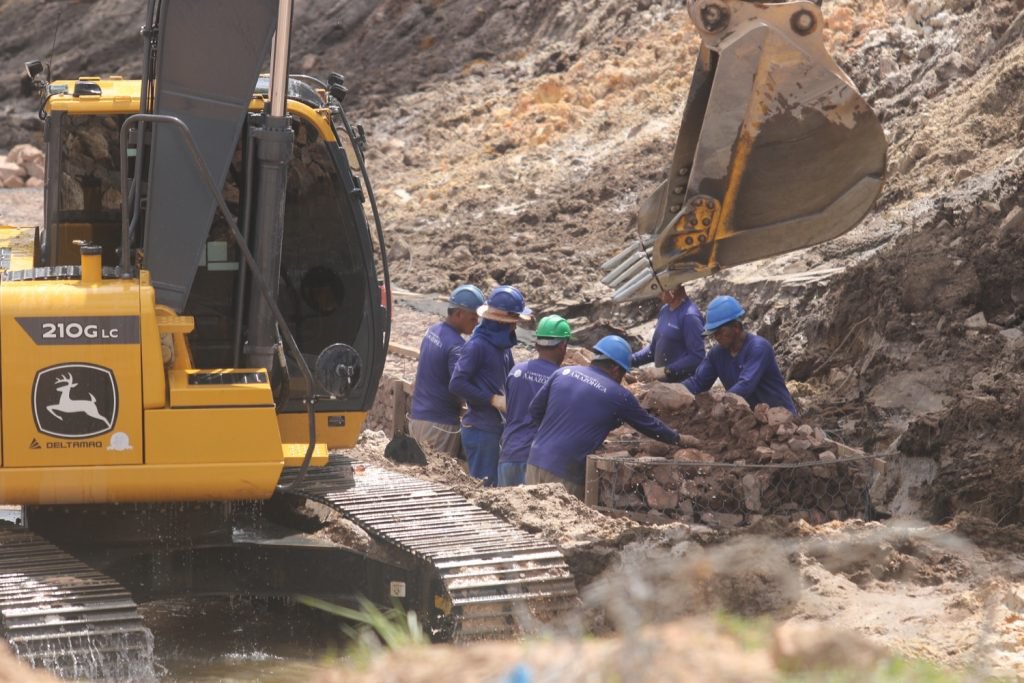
{"x":639,"y":283}
{"x":630,"y":269}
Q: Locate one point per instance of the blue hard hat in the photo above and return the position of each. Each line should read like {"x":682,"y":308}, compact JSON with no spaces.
{"x":466,"y":296}
{"x":503,"y":303}
{"x":721,"y":311}
{"x":617,"y":349}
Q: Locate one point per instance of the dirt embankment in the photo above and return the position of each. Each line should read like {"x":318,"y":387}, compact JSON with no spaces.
{"x":526,"y":167}
{"x":916,"y":348}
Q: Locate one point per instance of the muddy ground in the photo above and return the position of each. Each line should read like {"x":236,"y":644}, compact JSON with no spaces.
{"x":511,"y":141}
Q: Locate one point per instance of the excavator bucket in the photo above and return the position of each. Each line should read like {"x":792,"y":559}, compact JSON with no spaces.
{"x":776,"y":151}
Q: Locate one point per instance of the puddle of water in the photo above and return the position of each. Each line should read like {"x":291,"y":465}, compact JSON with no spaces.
{"x":241,"y":639}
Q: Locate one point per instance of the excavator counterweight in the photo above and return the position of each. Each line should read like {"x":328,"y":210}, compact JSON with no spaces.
{"x":776,"y":151}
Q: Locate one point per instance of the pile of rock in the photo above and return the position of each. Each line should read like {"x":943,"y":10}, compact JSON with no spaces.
{"x":23,"y":166}
{"x":739,"y":464}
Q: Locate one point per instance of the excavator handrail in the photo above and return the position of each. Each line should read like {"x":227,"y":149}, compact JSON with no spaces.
{"x":204,"y":174}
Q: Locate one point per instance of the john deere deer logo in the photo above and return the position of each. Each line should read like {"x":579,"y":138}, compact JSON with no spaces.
{"x":75,"y":400}
{"x":65,"y":383}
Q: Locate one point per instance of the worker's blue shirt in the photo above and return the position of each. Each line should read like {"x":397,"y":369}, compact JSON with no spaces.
{"x":752,"y":373}
{"x":431,"y":399}
{"x":575,"y":410}
{"x":479,"y":374}
{"x":521,"y":385}
{"x":678,"y":342}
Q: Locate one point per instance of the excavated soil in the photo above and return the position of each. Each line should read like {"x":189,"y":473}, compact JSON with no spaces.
{"x":511,"y":141}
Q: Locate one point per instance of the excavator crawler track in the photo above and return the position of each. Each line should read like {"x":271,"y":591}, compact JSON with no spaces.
{"x":499,"y":580}
{"x":59,"y":614}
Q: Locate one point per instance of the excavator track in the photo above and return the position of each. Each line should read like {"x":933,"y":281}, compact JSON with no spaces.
{"x":499,"y":580}
{"x":59,"y":614}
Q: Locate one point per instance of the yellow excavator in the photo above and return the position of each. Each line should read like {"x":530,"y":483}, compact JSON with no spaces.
{"x":203,"y":314}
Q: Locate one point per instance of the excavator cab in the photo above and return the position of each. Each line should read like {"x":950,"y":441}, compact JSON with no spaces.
{"x":776,"y":151}
{"x":205,"y":302}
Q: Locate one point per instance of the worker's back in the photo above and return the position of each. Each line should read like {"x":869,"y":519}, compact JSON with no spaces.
{"x":580,"y":406}
{"x":431,"y":398}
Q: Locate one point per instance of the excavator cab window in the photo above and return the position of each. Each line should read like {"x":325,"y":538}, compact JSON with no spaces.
{"x":327,"y":266}
{"x":87,"y":204}
{"x":328,"y":281}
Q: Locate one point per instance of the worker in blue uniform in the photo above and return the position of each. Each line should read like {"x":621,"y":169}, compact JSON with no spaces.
{"x":743,"y":361}
{"x":479,"y":378}
{"x":522,"y":384}
{"x":434,"y":415}
{"x":677,"y":346}
{"x":577,"y":408}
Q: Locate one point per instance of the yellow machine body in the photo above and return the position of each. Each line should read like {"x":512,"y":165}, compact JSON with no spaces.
{"x":119,"y":96}
{"x":93,"y":412}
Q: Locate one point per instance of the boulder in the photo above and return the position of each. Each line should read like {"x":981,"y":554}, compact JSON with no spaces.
{"x":660,"y":498}
{"x":783,"y":453}
{"x":692,"y":455}
{"x":667,"y":476}
{"x":743,"y":427}
{"x":705,"y":401}
{"x":35,"y":169}
{"x":667,"y":397}
{"x":14,"y":181}
{"x":785,"y":430}
{"x":976,"y":322}
{"x":10,"y":170}
{"x":653,"y":447}
{"x":24,"y":153}
{"x":735,"y":400}
{"x":779,"y":416}
{"x":800,"y":446}
{"x":34,"y":182}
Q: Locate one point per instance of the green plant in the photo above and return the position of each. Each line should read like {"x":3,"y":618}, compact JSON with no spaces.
{"x":392,"y":628}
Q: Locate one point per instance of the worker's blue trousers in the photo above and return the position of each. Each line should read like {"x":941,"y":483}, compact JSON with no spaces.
{"x":511,"y":473}
{"x":482,"y":451}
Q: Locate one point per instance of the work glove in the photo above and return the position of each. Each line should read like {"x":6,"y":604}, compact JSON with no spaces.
{"x":688,"y":441}
{"x":653,"y":375}
{"x":498,"y":401}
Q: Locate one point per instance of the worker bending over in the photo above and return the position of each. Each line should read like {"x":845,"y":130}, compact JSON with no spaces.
{"x":434,"y":417}
{"x":521,"y":385}
{"x":743,"y":361}
{"x":479,"y":378}
{"x":577,"y":408}
{"x":677,"y":346}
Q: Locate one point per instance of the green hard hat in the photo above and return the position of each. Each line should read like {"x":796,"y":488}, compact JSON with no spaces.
{"x":552,"y":330}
